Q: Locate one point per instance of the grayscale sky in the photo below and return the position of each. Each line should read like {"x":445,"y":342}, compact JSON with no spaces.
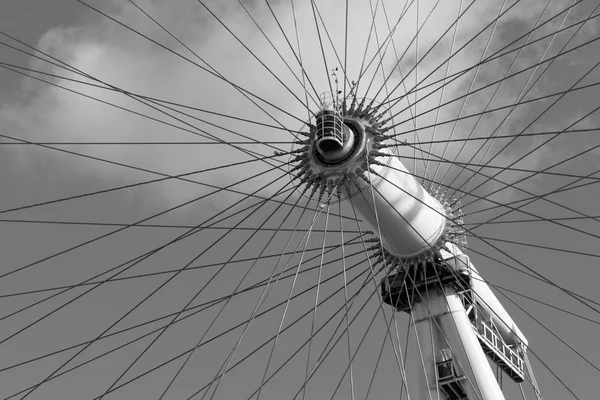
{"x":54,"y":109}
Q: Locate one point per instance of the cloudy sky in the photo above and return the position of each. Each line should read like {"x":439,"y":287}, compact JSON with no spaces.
{"x":227,"y":73}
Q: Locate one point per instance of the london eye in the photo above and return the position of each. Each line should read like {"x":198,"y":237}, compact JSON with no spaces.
{"x":299,"y":199}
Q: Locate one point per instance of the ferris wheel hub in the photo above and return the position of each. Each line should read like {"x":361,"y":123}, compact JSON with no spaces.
{"x":348,"y":154}
{"x":338,"y":149}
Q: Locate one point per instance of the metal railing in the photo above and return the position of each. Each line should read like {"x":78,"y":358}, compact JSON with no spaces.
{"x":496,"y":343}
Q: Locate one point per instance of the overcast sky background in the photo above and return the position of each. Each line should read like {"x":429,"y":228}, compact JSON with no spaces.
{"x":35,"y":111}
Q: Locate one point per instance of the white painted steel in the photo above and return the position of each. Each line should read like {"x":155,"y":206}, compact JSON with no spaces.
{"x":429,"y":341}
{"x":487,"y":302}
{"x":475,"y":359}
{"x":411,"y":220}
{"x":443,"y":315}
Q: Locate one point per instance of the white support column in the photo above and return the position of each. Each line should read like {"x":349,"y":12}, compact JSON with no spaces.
{"x":424,"y":319}
{"x":453,"y":330}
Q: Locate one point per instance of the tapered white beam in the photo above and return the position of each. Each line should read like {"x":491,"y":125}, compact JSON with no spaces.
{"x":409,"y":219}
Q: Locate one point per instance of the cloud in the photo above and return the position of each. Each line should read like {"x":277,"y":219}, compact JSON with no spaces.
{"x":111,"y":53}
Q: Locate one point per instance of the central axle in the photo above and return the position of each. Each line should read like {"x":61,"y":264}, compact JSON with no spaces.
{"x":347,"y":150}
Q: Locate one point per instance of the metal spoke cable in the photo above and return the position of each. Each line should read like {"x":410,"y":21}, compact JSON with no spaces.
{"x":306,"y":93}
{"x":533,"y":273}
{"x":134,"y":260}
{"x":568,"y":187}
{"x":129,"y":312}
{"x":437,"y":324}
{"x":537,"y":246}
{"x":180,"y":177}
{"x":455,"y":274}
{"x":584,"y":358}
{"x":194,"y":130}
{"x":398,"y":61}
{"x":531,"y":270}
{"x":493,"y":57}
{"x":251,"y":153}
{"x":404,"y":383}
{"x":509,"y":206}
{"x":312,"y":4}
{"x":134,"y":94}
{"x":536,"y":277}
{"x":379,"y":235}
{"x":331,"y":344}
{"x":473,"y":139}
{"x":172,"y":359}
{"x":545,"y":169}
{"x":364,"y":336}
{"x":346,"y":51}
{"x":178,"y":143}
{"x":188,"y":59}
{"x":540,"y":145}
{"x":333,"y":47}
{"x":505,"y":169}
{"x":373,"y":190}
{"x":497,"y":88}
{"x":340,"y":309}
{"x":244,"y":93}
{"x":496,"y":55}
{"x":297,"y":55}
{"x":229,"y":358}
{"x":355,"y":87}
{"x":323,"y":356}
{"x":287,"y":304}
{"x":292,"y":289}
{"x":523,"y":92}
{"x":528,"y":346}
{"x":384,"y":45}
{"x":141,"y":100}
{"x":318,"y":364}
{"x":170,"y":271}
{"x":360,"y":343}
{"x":448,"y":64}
{"x":424,"y":302}
{"x":431,"y":322}
{"x":416,"y":69}
{"x":552,"y":306}
{"x":252,"y":54}
{"x":317,"y":292}
{"x":170,"y":226}
{"x":350,"y":356}
{"x":548,"y":60}
{"x":519,"y":208}
{"x":237,"y":288}
{"x":193,"y":310}
{"x":454,"y":22}
{"x":388,"y":268}
{"x":113,"y":189}
{"x":85,"y":243}
{"x":405,"y":360}
{"x":493,"y":110}
{"x":205,"y":285}
{"x":522,"y":221}
{"x":399,"y":357}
